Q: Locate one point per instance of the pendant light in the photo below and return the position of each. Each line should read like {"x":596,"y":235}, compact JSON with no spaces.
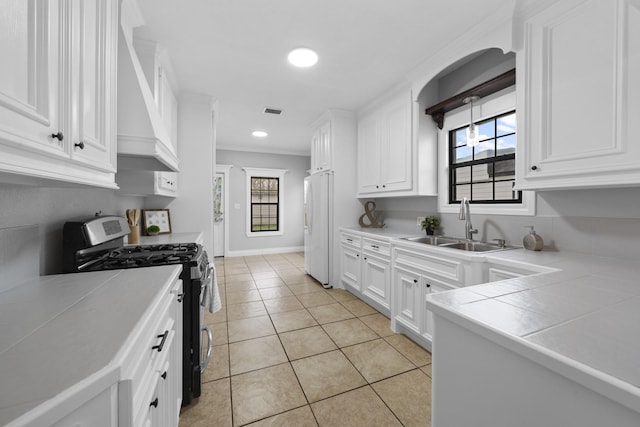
{"x":473,"y":137}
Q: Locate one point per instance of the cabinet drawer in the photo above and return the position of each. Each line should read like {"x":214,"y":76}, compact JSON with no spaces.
{"x":446,"y":268}
{"x":142,"y":355}
{"x":350,"y":240}
{"x":376,"y":247}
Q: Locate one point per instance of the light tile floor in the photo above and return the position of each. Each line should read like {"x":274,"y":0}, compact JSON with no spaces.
{"x":289,"y":353}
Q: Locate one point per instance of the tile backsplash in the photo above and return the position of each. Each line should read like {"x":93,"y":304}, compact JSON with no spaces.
{"x":19,"y":255}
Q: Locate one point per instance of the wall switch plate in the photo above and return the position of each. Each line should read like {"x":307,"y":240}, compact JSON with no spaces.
{"x":420,"y":219}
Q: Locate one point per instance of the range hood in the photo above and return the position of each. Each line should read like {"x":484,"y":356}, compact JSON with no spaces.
{"x":143,"y":140}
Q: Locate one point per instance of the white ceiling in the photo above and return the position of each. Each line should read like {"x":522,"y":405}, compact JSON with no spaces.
{"x":235,"y":51}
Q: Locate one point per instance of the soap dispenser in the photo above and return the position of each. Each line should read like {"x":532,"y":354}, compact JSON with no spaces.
{"x":532,"y":241}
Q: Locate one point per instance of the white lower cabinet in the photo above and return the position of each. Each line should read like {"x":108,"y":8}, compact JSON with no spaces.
{"x":150,"y":394}
{"x":350,"y":262}
{"x":101,"y":411}
{"x":376,"y":278}
{"x":365,"y":269}
{"x":408,"y":296}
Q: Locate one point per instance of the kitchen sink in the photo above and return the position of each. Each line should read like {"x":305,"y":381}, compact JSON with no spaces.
{"x":458,"y":243}
{"x":432,"y":240}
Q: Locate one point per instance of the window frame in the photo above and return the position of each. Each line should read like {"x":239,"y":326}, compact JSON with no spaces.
{"x":251,"y":173}
{"x":492,"y":105}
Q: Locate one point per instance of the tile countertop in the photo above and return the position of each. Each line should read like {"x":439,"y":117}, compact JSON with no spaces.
{"x":582,"y":320}
{"x":60,"y":334}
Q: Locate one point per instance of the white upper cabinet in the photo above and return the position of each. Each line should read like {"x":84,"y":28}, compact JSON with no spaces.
{"x":386,"y":152}
{"x":57,"y":99}
{"x":93,"y":82}
{"x":321,"y":148}
{"x":579,"y":76}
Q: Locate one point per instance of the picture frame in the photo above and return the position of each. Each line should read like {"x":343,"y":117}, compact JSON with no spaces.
{"x":159,"y":217}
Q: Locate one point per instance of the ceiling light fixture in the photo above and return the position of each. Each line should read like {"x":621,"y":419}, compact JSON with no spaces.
{"x":259,"y":133}
{"x":303,"y":57}
{"x":473,"y":137}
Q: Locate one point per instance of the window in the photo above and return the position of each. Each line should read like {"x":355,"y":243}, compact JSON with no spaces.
{"x":489,"y":167}
{"x":484,"y":173}
{"x":265,"y":202}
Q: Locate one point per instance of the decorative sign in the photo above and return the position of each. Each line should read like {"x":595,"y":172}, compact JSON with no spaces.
{"x":374,"y":216}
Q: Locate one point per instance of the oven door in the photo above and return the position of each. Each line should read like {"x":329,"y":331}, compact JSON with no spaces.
{"x":205,"y":350}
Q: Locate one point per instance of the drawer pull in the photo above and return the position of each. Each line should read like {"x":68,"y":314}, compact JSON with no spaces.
{"x":415,"y":280}
{"x":164,"y":375}
{"x":159,"y":346}
{"x":154,"y":403}
{"x":350,"y":240}
{"x":375,"y":246}
{"x":180,"y":297}
{"x":59,"y":136}
{"x":428,"y":285}
{"x":80,"y":145}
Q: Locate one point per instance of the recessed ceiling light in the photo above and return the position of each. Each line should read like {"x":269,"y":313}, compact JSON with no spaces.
{"x":259,"y":133}
{"x":303,"y":57}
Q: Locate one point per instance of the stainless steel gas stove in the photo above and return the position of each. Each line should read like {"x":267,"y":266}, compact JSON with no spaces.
{"x":97,"y":244}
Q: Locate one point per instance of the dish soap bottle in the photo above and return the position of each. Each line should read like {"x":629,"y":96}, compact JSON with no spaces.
{"x":532,"y":241}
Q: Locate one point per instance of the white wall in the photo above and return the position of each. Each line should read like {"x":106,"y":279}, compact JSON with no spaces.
{"x":293,"y":238}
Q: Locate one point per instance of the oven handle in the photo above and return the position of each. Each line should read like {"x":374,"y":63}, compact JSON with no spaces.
{"x":205,"y":363}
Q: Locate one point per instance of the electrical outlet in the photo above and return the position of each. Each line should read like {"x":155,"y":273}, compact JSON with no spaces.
{"x":420,"y":219}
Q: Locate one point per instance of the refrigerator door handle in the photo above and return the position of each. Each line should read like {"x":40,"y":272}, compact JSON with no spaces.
{"x":310,"y":207}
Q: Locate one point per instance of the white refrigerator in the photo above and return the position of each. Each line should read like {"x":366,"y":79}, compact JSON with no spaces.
{"x":318,"y":226}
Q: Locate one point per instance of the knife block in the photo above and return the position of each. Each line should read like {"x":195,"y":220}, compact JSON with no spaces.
{"x":134,"y":236}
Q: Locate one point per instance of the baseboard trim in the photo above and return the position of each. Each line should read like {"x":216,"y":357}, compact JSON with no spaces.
{"x":268,"y":251}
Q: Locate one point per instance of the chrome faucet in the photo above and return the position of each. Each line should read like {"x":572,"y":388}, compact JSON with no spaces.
{"x":465,"y":215}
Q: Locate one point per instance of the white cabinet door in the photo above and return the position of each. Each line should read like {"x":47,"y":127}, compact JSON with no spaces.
{"x":430,"y":286}
{"x":368,"y":155}
{"x":350,"y":268}
{"x":408,"y":302}
{"x":101,"y":411}
{"x":167,"y":106}
{"x":385,"y":148}
{"x":321,"y":148}
{"x":92,"y":79}
{"x":376,"y":279}
{"x":29,"y":80}
{"x":577,"y":115}
{"x":396,"y":147}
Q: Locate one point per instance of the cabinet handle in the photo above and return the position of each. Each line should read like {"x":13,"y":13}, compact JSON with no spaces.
{"x":79,"y":145}
{"x":180,"y":297}
{"x":159,"y":346}
{"x":384,"y":186}
{"x":427,"y":285}
{"x":534,"y":168}
{"x":365,"y":258}
{"x":358,"y":255}
{"x":59,"y":136}
{"x":375,"y":246}
{"x":415,"y":280}
{"x":350,"y":240}
{"x":154,"y":403}
{"x":377,"y":186}
{"x":164,"y":375}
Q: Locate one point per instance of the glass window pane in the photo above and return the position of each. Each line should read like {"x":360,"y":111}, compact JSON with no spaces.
{"x":482,"y":173}
{"x":462,"y":191}
{"x":506,"y":124}
{"x":460,"y":137}
{"x":504,"y":190}
{"x":463,"y":154}
{"x":482,"y":191}
{"x":486,"y":130}
{"x":484,"y":150}
{"x":506,"y":145}
{"x":462,"y":175}
{"x":505,"y":168}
